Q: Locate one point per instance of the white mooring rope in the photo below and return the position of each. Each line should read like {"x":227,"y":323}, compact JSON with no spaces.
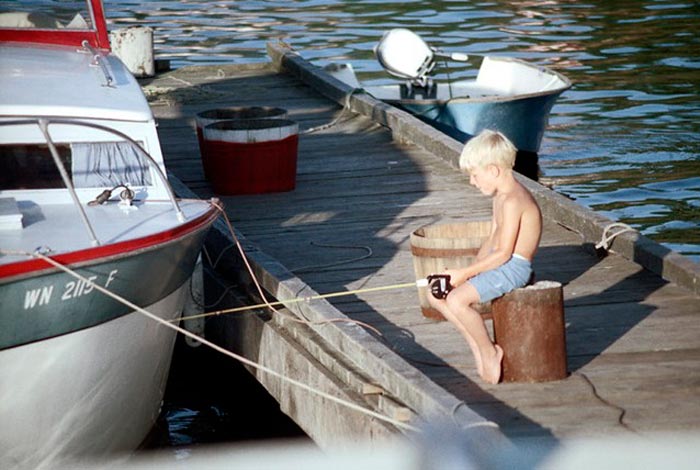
{"x":605,"y":239}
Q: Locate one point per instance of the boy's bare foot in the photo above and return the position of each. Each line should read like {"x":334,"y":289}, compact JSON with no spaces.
{"x":492,"y":366}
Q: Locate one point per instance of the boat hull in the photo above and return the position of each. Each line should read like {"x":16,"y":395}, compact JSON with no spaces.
{"x":508,"y":95}
{"x":45,"y":304}
{"x":81,"y":374}
{"x":522,"y":120}
{"x":90,"y":393}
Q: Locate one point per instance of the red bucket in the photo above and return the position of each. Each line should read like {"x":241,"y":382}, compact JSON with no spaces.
{"x":251,"y":156}
{"x":210,"y":116}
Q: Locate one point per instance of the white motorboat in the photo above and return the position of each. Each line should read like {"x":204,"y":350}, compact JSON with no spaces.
{"x":82,"y":184}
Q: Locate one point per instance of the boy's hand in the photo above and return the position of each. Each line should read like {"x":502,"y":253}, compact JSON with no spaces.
{"x":457,"y":276}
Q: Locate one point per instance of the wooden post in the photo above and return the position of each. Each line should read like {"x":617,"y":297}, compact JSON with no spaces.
{"x":528,"y":324}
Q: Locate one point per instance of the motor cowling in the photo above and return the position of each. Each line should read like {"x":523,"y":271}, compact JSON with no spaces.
{"x":404,"y":54}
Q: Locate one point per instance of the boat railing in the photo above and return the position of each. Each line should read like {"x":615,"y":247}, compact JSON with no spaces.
{"x":43,"y":125}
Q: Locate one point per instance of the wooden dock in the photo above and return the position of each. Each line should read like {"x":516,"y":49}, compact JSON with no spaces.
{"x":363,"y":186}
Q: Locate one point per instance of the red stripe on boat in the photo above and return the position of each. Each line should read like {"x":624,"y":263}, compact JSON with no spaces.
{"x":112,"y":249}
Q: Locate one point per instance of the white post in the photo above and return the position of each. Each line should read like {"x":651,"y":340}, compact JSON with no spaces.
{"x":134,"y":46}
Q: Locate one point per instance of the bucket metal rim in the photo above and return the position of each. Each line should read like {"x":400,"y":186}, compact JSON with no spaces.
{"x":209,"y":116}
{"x":250,"y":130}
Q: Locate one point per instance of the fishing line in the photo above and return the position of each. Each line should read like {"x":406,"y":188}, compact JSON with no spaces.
{"x":304,"y":299}
{"x":295,"y":317}
{"x":297,"y":299}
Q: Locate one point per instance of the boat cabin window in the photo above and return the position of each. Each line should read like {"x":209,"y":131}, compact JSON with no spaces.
{"x":90,"y":165}
{"x":31,"y":167}
{"x":46,"y":14}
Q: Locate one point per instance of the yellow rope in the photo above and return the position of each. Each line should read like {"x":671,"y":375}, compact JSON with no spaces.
{"x":218,"y":348}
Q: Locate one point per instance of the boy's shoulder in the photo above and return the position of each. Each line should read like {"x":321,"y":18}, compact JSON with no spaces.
{"x":518,"y":197}
{"x":523,"y":191}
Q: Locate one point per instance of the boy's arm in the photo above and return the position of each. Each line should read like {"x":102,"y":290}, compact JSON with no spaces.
{"x":500,"y":248}
{"x":460,"y":275}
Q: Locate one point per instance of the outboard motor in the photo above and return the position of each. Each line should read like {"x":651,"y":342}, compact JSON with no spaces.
{"x":404,"y":54}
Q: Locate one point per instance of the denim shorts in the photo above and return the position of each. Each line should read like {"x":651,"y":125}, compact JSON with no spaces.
{"x":512,"y":274}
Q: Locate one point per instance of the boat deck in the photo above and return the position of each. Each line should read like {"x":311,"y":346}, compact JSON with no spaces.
{"x":111,"y":222}
{"x":633,"y":339}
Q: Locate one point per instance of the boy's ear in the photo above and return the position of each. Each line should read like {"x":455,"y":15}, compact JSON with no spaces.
{"x":494,"y":170}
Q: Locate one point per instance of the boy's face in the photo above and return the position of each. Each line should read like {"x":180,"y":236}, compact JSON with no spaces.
{"x":484,"y":178}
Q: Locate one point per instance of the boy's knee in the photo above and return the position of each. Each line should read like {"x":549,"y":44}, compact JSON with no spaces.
{"x":458,"y":299}
{"x":457,"y":302}
{"x":452,"y":300}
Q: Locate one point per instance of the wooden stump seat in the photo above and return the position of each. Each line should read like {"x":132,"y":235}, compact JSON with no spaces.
{"x":528,"y":324}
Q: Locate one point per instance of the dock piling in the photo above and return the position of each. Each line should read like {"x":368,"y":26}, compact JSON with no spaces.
{"x":528,"y":324}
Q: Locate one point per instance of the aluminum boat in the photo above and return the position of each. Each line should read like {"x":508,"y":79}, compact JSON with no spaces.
{"x":508,"y":95}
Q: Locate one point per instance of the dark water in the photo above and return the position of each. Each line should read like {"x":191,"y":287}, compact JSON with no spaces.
{"x":211,"y":399}
{"x":625,"y":140}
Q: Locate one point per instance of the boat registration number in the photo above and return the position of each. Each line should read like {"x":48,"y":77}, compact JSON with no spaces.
{"x":71,"y":290}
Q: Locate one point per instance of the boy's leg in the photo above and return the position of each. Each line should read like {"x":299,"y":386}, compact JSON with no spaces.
{"x":458,"y":303}
{"x":441,"y":306}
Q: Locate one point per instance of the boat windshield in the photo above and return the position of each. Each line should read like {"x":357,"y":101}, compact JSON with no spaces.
{"x":89,"y":164}
{"x":46,"y":14}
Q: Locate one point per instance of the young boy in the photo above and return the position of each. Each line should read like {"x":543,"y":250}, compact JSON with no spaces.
{"x":503,"y":261}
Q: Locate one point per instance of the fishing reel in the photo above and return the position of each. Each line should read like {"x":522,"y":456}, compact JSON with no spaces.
{"x":439,"y":285}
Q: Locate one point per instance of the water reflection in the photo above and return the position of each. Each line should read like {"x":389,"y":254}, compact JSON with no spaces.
{"x":632,"y":118}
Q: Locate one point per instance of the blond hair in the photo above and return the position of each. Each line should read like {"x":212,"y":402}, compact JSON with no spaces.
{"x":488,"y":148}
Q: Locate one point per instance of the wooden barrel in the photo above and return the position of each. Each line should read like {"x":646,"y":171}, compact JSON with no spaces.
{"x":252,"y":156}
{"x":441,"y":246}
{"x":528,"y":323}
{"x":233,"y":113}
